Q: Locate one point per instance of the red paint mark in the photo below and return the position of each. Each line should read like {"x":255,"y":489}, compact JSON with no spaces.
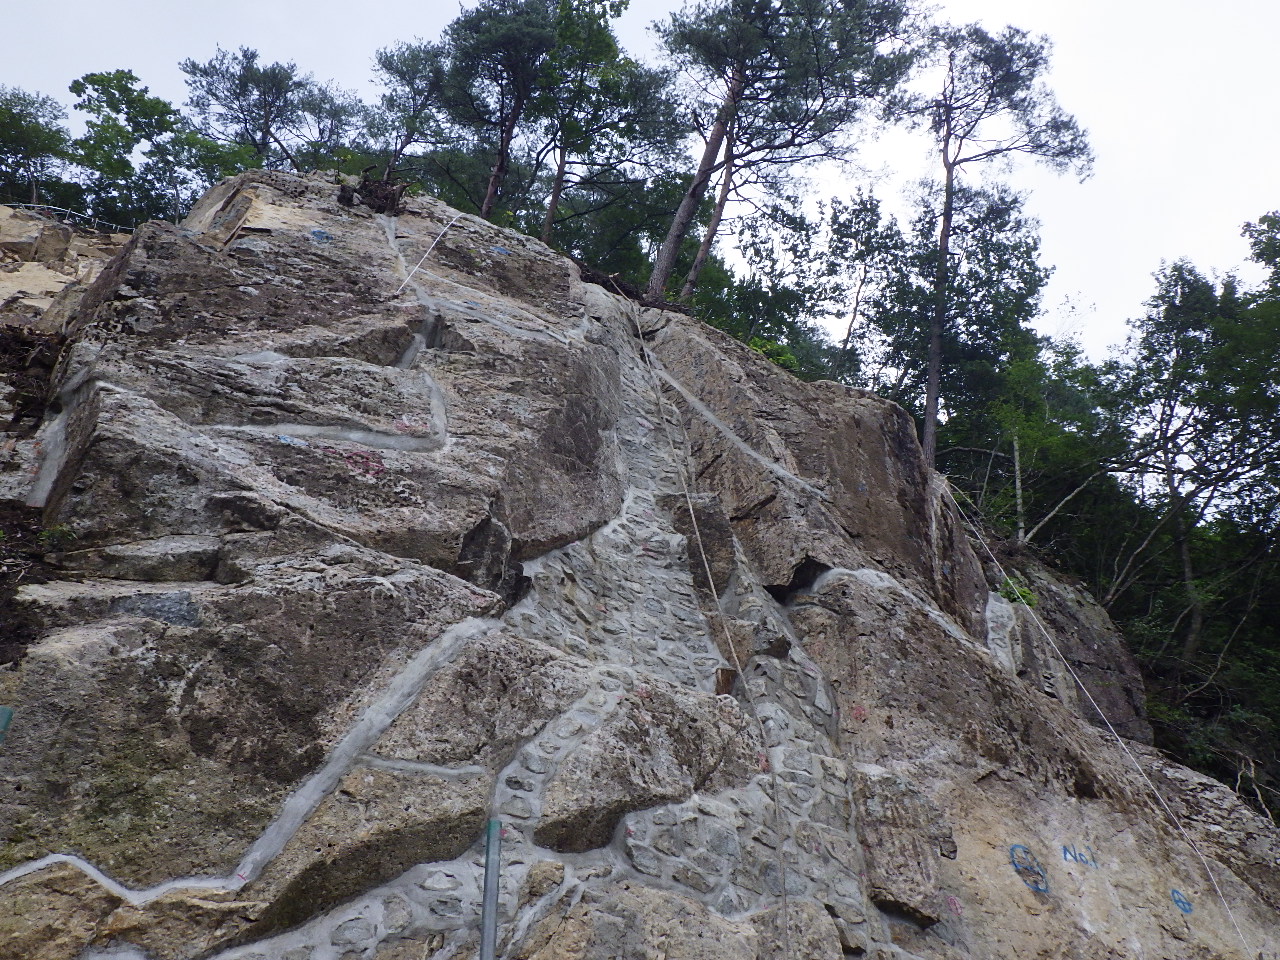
{"x":954,"y":904}
{"x":859,"y":712}
{"x":365,"y":462}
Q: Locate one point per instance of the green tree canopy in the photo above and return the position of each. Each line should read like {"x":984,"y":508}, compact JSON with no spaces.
{"x":412,"y":75}
{"x":34,"y":144}
{"x":775,"y":82}
{"x":993,"y":103}
{"x":497,"y":52}
{"x":604,"y":115}
{"x":122,"y":118}
{"x":239,"y":100}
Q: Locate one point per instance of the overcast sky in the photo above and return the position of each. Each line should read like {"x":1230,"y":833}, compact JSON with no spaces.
{"x":1179,"y":98}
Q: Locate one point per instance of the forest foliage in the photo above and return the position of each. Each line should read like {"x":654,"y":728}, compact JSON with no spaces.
{"x":1153,"y":477}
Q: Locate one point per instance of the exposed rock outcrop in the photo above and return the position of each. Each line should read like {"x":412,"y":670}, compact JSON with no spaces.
{"x":40,"y":257}
{"x":349,"y":551}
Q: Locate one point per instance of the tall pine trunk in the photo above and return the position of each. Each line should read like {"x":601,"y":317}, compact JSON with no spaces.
{"x":665,"y":263}
{"x":717,"y":215}
{"x":502,"y":161}
{"x":1017,"y":489}
{"x":557,"y":188}
{"x":1182,"y":536}
{"x":938,"y":319}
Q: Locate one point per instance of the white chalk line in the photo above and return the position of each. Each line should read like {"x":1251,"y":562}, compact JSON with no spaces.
{"x":397,"y":697}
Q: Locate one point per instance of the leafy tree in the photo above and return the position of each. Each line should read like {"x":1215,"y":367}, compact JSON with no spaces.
{"x":34,"y":144}
{"x":611,"y":223}
{"x":539,"y":95}
{"x":994,"y":285}
{"x":992,"y":104}
{"x":1264,"y":245}
{"x":778,"y":82}
{"x":285,"y":116}
{"x":775,"y":306}
{"x":862,"y":251}
{"x":1199,"y":392}
{"x":239,"y":100}
{"x":413,"y":75}
{"x":122,"y":117}
{"x":1023,"y":434}
{"x":1038,"y":458}
{"x":603,"y":112}
{"x":178,"y":169}
{"x":329,"y":122}
{"x":139,"y":157}
{"x":1153,"y":478}
{"x":496,"y":56}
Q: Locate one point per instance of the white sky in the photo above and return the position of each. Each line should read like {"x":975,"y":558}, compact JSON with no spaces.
{"x":1179,"y":97}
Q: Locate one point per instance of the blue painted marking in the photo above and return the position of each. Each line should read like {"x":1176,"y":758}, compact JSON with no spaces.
{"x":320,"y":236}
{"x":6,"y":718}
{"x":291,"y":441}
{"x":1084,"y":855}
{"x":502,"y":250}
{"x":1180,"y":901}
{"x":1028,"y":867}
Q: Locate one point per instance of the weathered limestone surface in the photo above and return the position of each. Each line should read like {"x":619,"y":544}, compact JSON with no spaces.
{"x":1067,"y":618}
{"x":40,"y":257}
{"x":348,"y":557}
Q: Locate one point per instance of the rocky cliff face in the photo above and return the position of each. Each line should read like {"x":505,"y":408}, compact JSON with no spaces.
{"x":342,"y":559}
{"x":40,"y":257}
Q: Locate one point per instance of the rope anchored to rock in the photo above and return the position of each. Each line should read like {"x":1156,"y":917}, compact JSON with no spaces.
{"x":428,"y":253}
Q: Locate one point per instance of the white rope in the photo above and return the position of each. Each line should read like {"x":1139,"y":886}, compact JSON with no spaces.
{"x":427,"y":254}
{"x":1133,"y":758}
{"x":733,"y":650}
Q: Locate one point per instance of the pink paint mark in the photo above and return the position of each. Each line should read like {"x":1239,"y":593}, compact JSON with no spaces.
{"x":859,"y":712}
{"x":954,"y":904}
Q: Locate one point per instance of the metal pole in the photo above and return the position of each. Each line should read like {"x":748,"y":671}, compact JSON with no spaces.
{"x":489,"y":914}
